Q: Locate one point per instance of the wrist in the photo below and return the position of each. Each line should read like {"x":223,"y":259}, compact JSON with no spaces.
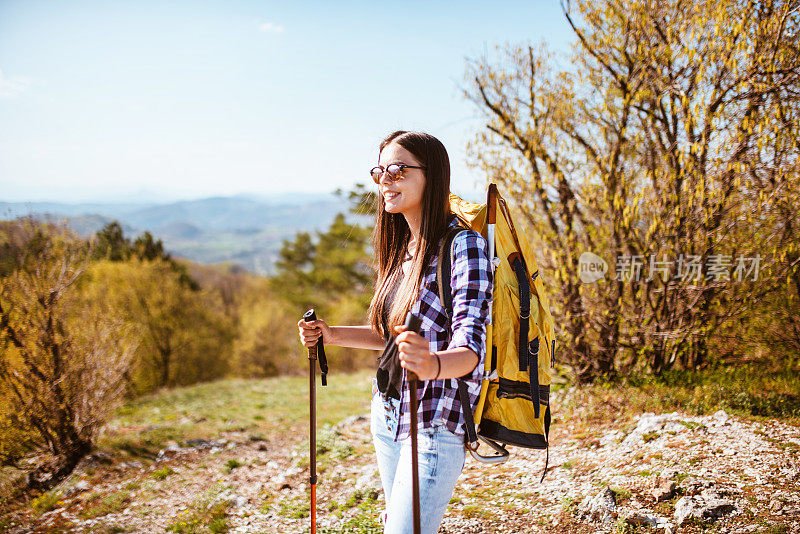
{"x":332,"y":336}
{"x":438,"y":365}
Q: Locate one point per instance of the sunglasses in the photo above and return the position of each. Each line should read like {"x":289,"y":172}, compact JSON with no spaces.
{"x":395,"y":171}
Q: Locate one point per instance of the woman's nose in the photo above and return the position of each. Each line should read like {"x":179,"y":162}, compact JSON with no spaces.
{"x":385,"y":179}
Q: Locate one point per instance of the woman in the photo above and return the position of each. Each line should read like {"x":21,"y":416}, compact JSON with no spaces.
{"x":413,"y":216}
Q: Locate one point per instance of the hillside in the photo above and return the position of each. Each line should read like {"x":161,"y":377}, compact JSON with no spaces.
{"x":232,"y":456}
{"x":244,"y":229}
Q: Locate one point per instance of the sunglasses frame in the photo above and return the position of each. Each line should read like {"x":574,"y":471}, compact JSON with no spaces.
{"x":394,"y":177}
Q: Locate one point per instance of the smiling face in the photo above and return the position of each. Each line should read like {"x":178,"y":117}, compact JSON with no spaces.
{"x":405,"y":195}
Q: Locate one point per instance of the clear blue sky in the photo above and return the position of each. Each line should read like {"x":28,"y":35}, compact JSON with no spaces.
{"x":184,"y":99}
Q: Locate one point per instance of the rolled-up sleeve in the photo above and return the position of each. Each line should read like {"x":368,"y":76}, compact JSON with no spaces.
{"x":471,"y":285}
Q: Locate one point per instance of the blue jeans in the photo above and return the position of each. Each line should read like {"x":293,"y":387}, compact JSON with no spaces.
{"x":441,"y":460}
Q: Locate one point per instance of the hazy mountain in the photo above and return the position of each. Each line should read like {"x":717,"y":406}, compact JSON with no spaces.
{"x":245,"y":229}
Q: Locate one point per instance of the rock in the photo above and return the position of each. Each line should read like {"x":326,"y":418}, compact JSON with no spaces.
{"x":693,"y":486}
{"x":638,"y":518}
{"x":198,"y":443}
{"x":349,"y":422}
{"x":775,"y":505}
{"x":78,"y":487}
{"x":172,"y":450}
{"x":791,"y":510}
{"x":720,"y":418}
{"x":710,"y":495}
{"x":648,"y":423}
{"x":294,"y":470}
{"x":601,"y":507}
{"x":664,"y":492}
{"x":689,"y":507}
{"x":716,"y":508}
{"x":100,"y":457}
{"x":369,"y":480}
{"x":280,"y":483}
{"x":240,"y":500}
{"x":662,"y":523}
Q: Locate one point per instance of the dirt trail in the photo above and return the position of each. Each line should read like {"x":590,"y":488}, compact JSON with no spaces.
{"x":664,"y":473}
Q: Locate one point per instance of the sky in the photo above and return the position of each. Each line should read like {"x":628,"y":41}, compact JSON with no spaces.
{"x":165,"y":100}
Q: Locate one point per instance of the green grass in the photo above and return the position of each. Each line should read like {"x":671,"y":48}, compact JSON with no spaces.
{"x":758,"y":390}
{"x":265,"y":407}
{"x":161,"y":474}
{"x":295,"y":508}
{"x":650,"y":436}
{"x":207,"y":514}
{"x":231,"y":464}
{"x":621,"y":494}
{"x":475,"y":511}
{"x":113,"y":502}
{"x":47,"y":501}
{"x":755,"y":390}
{"x":365,"y":519}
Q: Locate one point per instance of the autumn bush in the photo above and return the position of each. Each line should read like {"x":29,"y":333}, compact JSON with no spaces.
{"x":667,"y":144}
{"x":61,"y":362}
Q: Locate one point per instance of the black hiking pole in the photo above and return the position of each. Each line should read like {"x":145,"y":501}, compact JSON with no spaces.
{"x":314,"y":353}
{"x":413,"y":323}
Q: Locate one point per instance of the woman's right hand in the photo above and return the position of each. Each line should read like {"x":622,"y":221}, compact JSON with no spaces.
{"x":310,"y":331}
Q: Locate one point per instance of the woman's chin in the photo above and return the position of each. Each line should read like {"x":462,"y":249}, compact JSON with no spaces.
{"x":391,"y":208}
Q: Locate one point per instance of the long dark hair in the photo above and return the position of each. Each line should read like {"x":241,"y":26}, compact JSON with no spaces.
{"x":391,"y":234}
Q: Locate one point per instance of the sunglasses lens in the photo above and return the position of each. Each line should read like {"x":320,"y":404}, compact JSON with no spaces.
{"x":394,"y":172}
{"x":376,"y":173}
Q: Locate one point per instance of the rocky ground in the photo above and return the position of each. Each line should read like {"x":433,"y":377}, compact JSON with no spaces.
{"x":658,"y":473}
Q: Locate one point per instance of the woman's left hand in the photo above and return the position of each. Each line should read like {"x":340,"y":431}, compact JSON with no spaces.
{"x":414,"y":354}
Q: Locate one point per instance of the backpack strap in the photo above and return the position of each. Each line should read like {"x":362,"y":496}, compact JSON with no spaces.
{"x":528,"y":354}
{"x":463,"y":396}
{"x":515,"y":260}
{"x":445,"y":265}
{"x":547,"y":439}
{"x":443,"y":273}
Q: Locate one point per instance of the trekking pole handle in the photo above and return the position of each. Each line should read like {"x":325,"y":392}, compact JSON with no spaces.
{"x":309,"y":316}
{"x":413,"y":323}
{"x":317,"y":352}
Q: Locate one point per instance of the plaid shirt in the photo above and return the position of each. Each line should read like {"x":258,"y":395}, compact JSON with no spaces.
{"x":471,"y":284}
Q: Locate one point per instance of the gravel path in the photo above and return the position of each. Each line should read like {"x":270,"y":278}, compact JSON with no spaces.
{"x":662,"y":473}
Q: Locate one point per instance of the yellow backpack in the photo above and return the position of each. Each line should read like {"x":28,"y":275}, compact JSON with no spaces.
{"x":520,"y":319}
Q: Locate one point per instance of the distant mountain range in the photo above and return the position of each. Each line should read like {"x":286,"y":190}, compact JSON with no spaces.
{"x":244,"y":229}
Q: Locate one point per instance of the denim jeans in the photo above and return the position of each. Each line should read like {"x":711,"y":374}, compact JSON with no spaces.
{"x":441,"y":459}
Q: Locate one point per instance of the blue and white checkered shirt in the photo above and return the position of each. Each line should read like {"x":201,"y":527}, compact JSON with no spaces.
{"x":471,"y":285}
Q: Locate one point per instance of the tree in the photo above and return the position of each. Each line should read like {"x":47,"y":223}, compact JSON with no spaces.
{"x":61,"y":362}
{"x":111,"y":243}
{"x":146,"y":248}
{"x":267,"y":335}
{"x":184,"y":334}
{"x":321,"y":272}
{"x":332,"y":272}
{"x":674,"y":131}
